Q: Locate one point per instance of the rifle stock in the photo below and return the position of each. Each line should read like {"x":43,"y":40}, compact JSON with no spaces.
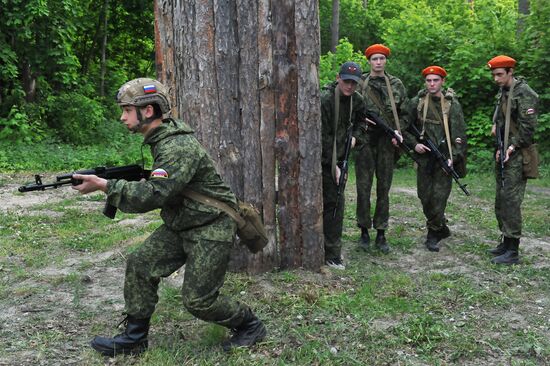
{"x":128,"y":172}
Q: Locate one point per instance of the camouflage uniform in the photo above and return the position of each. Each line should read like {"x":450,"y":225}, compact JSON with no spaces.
{"x":193,"y":234}
{"x":376,"y":154}
{"x":333,"y":226}
{"x":433,"y":184}
{"x":523,"y":122}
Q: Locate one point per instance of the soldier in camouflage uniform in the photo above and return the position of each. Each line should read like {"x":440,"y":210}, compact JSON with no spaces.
{"x":193,"y":234}
{"x":427,"y":113}
{"x":523,"y":123}
{"x":376,"y":154}
{"x":350,"y":114}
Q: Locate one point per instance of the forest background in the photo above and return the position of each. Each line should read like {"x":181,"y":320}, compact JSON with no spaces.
{"x":62,"y":62}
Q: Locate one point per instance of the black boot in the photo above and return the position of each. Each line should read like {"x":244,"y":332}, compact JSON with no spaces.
{"x":381,"y":242}
{"x":364,"y":240}
{"x":511,"y":256}
{"x":443,"y":233}
{"x":251,"y":331}
{"x":500,"y":249}
{"x":431,"y":241}
{"x":132,"y":342}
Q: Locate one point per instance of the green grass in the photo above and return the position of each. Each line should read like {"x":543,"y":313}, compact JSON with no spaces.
{"x":409,"y":307}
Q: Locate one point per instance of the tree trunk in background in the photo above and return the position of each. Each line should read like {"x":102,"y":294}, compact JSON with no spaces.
{"x":104,"y":48}
{"x":523,"y":10}
{"x":335,"y":27}
{"x":244,"y":74}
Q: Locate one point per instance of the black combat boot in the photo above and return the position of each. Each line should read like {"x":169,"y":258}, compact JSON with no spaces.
{"x":432,"y":240}
{"x":364,"y":240}
{"x":511,"y":256}
{"x":500,"y":249}
{"x":381,"y":242}
{"x":251,"y":331}
{"x":132,"y":342}
{"x":443,"y":233}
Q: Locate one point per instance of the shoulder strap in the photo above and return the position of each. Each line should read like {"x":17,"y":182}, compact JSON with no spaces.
{"x":425,"y":113}
{"x":507,"y":117}
{"x":209,"y":201}
{"x":336,"y":116}
{"x":392,"y":102}
{"x":445,"y":108}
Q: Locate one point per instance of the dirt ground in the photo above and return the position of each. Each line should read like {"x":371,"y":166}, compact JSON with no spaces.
{"x":45,"y":323}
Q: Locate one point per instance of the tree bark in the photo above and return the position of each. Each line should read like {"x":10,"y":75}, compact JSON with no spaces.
{"x":104,"y":48}
{"x":246,"y":78}
{"x":523,"y":10}
{"x":335,"y":26}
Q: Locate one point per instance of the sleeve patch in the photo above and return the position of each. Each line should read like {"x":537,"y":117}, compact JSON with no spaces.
{"x":530,"y":111}
{"x":159,"y":173}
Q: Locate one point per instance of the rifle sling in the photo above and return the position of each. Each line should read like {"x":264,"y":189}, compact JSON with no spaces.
{"x":508,"y":114}
{"x":212,"y":202}
{"x":336,"y":117}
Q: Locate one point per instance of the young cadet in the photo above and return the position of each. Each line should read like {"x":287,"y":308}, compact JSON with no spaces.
{"x":342,"y":109}
{"x":384,"y":96}
{"x":437,"y":115}
{"x":193,"y":233}
{"x":516,"y":119}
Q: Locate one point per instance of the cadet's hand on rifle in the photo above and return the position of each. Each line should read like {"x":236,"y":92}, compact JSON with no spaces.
{"x":509,"y":152}
{"x":494,"y":130}
{"x":353,"y":141}
{"x":421,"y":148}
{"x":90,"y":183}
{"x":394,"y":141}
{"x":338,"y":172}
{"x":450,"y":163}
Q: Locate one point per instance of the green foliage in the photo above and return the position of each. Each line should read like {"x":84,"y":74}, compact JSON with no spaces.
{"x":51,"y":155}
{"x":461,"y":36}
{"x":330,"y":63}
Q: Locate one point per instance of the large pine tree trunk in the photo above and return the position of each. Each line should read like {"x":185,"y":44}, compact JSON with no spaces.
{"x":245,"y":76}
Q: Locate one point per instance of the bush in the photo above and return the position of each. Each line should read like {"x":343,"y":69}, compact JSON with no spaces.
{"x":330,"y":63}
{"x":76,"y":118}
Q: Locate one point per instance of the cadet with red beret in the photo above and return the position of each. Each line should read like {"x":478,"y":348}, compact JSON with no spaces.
{"x":384,"y":96}
{"x":437,"y":115}
{"x":515,"y":118}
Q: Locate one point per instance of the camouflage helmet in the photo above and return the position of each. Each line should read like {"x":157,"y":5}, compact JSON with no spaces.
{"x":143,"y":91}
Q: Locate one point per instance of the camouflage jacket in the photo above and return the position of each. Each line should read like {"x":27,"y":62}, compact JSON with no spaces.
{"x":180,"y":162}
{"x":377,"y":86}
{"x":433,"y":126}
{"x":344,"y":120}
{"x":523,"y":113}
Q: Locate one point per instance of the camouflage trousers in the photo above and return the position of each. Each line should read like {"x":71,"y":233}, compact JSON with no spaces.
{"x":433,"y":189}
{"x":508,"y":199}
{"x":377,"y":157}
{"x":205,"y":252}
{"x":332,"y":226}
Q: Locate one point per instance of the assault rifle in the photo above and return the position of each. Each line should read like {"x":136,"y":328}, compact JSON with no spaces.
{"x":441,"y":159}
{"x":344,"y":166}
{"x":128,"y":172}
{"x":502,"y":153}
{"x":391,"y":133}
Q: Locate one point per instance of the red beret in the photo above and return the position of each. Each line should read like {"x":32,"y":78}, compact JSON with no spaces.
{"x":501,"y":61}
{"x":436,"y":70}
{"x":377,"y":48}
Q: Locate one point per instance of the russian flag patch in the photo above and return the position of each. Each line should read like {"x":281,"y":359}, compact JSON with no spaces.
{"x":148,"y":89}
{"x":159,"y":173}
